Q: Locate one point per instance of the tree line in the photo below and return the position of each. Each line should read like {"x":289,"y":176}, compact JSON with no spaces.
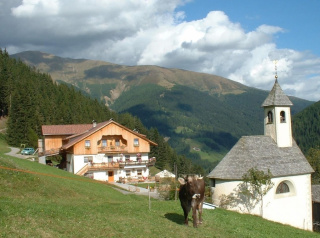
{"x":31,"y":99}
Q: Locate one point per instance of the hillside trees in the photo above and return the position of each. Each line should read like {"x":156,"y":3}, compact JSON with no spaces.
{"x":306,"y":127}
{"x":31,"y":99}
{"x":313,"y":157}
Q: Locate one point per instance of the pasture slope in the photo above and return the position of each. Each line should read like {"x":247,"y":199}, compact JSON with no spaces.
{"x":42,"y":201}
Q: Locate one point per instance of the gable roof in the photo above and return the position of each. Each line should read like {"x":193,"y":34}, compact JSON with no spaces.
{"x":81,"y":136}
{"x":276,"y":97}
{"x":65,"y":129}
{"x":262,"y":153}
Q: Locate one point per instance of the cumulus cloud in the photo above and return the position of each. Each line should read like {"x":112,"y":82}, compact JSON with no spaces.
{"x":153,"y":32}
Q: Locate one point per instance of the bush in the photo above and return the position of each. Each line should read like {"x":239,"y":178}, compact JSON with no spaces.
{"x":167,"y":188}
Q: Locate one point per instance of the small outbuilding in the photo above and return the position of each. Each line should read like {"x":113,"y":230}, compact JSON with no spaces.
{"x":164,"y":174}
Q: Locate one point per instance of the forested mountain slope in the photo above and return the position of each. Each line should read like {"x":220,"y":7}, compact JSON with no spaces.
{"x":31,"y":99}
{"x":201,"y":115}
{"x":306,"y":127}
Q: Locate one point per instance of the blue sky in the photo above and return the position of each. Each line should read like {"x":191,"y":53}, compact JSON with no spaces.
{"x":236,"y":39}
{"x":299,"y":19}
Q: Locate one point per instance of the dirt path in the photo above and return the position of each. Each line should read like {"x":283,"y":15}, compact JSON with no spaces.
{"x":15,"y":152}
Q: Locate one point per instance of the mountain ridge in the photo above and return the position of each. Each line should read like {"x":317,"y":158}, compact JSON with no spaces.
{"x":194,"y":110}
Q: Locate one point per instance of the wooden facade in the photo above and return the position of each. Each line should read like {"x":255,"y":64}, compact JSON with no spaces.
{"x":106,"y":150}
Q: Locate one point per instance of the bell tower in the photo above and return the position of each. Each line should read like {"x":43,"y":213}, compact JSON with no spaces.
{"x":277,"y":115}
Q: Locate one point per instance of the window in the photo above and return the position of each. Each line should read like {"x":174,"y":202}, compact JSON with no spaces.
{"x":282,"y":117}
{"x":136,"y":142}
{"x":104,"y":143}
{"x":285,"y":189}
{"x":88,"y":159}
{"x":117,"y":142}
{"x":139,"y":172}
{"x":110,"y":158}
{"x":270,"y":117}
{"x":282,"y":188}
{"x":128,"y":173}
{"x":127,"y":157}
{"x":87,"y":143}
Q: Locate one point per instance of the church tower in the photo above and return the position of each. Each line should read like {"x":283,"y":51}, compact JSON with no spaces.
{"x":277,"y":116}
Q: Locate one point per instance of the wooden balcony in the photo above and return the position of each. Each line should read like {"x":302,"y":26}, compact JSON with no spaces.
{"x":50,"y":152}
{"x":119,"y":164}
{"x":103,"y":166}
{"x":112,"y":149}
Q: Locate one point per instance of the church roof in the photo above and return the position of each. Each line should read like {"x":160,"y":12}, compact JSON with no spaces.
{"x":277,"y":97}
{"x":262,"y":153}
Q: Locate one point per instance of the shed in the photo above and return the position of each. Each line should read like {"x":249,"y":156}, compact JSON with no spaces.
{"x":164,"y":174}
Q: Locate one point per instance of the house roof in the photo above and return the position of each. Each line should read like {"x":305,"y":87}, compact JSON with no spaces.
{"x":262,"y":153}
{"x":65,"y":129}
{"x":81,"y":136}
{"x":276,"y":97}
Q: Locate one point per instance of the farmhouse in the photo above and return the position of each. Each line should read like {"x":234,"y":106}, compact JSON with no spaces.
{"x":105,"y":151}
{"x":289,"y":200}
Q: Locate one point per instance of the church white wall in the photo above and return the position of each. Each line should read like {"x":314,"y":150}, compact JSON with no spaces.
{"x":283,"y":130}
{"x":279,"y":131}
{"x":294,"y":208}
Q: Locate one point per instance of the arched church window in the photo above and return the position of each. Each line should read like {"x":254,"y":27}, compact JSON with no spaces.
{"x":282,"y":117}
{"x":270,"y":117}
{"x":282,"y":188}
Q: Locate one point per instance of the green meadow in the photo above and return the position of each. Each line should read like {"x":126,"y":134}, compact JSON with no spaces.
{"x":41,"y":201}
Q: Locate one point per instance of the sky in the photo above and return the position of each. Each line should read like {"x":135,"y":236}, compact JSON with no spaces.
{"x":236,"y":39}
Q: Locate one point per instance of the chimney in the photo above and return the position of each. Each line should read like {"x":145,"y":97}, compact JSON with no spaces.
{"x":94,"y":123}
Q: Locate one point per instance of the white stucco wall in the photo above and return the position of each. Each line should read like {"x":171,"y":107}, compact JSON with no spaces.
{"x":293,"y":208}
{"x":102,"y":176}
{"x":78,"y":162}
{"x":281,"y":132}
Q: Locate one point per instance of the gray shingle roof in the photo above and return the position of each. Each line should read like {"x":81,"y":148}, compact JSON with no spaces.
{"x":276,"y":97}
{"x":315,"y":190}
{"x":262,"y":153}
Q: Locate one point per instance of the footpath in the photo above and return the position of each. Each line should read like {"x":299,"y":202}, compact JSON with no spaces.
{"x":132,"y":189}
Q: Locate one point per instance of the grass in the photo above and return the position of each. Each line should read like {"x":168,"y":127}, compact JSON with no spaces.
{"x":41,"y":201}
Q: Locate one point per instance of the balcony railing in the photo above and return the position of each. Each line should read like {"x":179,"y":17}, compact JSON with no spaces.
{"x":117,"y":149}
{"x":119,"y":164}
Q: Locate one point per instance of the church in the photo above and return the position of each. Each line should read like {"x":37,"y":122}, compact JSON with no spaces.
{"x":289,"y":201}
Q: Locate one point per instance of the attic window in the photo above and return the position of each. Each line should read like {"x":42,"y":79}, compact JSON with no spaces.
{"x":136,"y":142}
{"x":87,"y":143}
{"x":282,"y":117}
{"x":283,"y":188}
{"x":270,"y":117}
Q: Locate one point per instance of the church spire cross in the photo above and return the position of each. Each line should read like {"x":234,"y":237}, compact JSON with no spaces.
{"x":276,"y":69}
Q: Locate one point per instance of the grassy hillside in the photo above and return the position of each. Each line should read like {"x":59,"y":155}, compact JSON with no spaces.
{"x":41,"y":201}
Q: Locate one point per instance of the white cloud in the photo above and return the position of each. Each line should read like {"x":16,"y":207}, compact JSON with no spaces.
{"x":152,"y":32}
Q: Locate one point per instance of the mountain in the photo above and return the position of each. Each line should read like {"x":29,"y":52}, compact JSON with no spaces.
{"x":306,"y":127}
{"x":201,"y":115}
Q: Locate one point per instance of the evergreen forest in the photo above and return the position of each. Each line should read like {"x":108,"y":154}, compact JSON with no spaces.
{"x":30,"y":99}
{"x":306,"y":131}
